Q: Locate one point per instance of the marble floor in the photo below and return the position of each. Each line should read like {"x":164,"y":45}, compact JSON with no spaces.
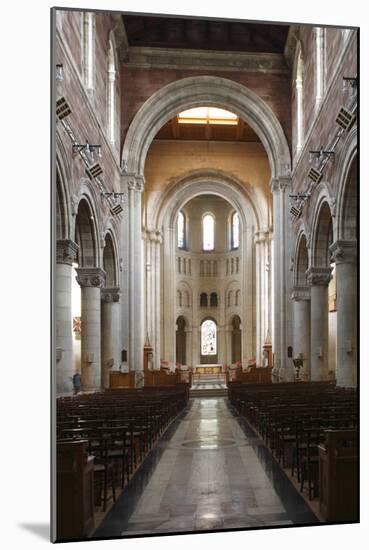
{"x":209,"y":472}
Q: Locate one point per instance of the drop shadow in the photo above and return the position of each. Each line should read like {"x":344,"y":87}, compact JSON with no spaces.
{"x":42,"y":530}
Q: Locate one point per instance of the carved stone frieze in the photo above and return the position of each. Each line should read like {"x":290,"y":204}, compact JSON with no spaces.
{"x":110,"y":295}
{"x":344,"y":251}
{"x":299,"y":293}
{"x":90,"y":277}
{"x":319,"y":276}
{"x":66,"y":252}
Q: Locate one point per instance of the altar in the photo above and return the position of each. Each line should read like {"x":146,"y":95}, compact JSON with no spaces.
{"x":208,"y":369}
{"x":208,"y":373}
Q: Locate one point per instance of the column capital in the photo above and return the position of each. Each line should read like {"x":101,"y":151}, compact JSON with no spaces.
{"x":109,"y":295}
{"x":90,"y":277}
{"x":66,"y":251}
{"x":344,"y":252}
{"x":261,"y":236}
{"x":319,"y":276}
{"x":280,"y":184}
{"x":300,"y":293}
{"x":134,"y":182}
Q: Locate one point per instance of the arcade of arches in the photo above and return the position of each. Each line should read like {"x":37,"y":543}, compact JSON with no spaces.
{"x":213,"y":257}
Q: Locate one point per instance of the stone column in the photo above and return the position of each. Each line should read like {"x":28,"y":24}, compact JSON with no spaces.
{"x":66,"y":253}
{"x":261,"y":292}
{"x":135,"y":277}
{"x":110,"y":341}
{"x":318,"y":278}
{"x":301,"y":327}
{"x":282,"y":284}
{"x":91,"y":280}
{"x":345,"y":256}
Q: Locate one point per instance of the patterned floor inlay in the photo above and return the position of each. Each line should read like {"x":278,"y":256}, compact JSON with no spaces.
{"x":209,"y":472}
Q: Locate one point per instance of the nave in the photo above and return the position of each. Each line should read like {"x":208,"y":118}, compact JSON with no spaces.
{"x":208,"y":472}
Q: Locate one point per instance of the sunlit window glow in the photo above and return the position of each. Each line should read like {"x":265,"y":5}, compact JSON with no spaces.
{"x":235,"y":230}
{"x":207,"y":115}
{"x":208,"y":338}
{"x":208,"y":232}
{"x":180,"y":230}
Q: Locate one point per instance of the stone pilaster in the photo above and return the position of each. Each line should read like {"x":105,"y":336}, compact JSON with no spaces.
{"x":110,"y":341}
{"x":300,"y":297}
{"x":66,"y":254}
{"x":135,"y":186}
{"x":91,"y":280}
{"x":345,"y":256}
{"x":282,"y":279}
{"x":318,"y":278}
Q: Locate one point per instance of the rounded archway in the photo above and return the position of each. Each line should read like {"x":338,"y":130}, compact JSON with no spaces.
{"x":196,"y":92}
{"x":86,"y":235}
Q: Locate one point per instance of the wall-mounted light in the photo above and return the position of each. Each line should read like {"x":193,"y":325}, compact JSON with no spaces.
{"x":117,"y":209}
{"x":320,"y":154}
{"x":300,"y":196}
{"x":345,"y":118}
{"x":295,"y":211}
{"x":94,"y":170}
{"x":315,"y":175}
{"x":62,"y":108}
{"x":59,"y":75}
{"x":88,"y":148}
{"x":349,"y":84}
{"x":112,"y":194}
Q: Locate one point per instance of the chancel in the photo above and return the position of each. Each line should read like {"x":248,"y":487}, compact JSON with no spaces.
{"x":206,"y":274}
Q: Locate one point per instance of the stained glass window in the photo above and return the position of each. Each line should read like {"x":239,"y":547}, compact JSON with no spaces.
{"x":235,"y":230}
{"x":208,"y":232}
{"x":208,"y":338}
{"x":180,"y":230}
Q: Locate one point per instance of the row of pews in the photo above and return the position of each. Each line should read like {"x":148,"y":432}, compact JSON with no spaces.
{"x":102,"y":438}
{"x":311,"y":429}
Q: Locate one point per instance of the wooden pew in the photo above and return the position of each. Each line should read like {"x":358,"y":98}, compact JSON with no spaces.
{"x":75,"y":490}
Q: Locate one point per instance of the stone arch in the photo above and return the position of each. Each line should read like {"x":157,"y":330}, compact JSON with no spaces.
{"x":86,"y":234}
{"x":322,"y":236}
{"x":242,"y":198}
{"x":301,"y":261}
{"x":110,"y":264}
{"x":197,"y":91}
{"x":62,"y":197}
{"x":347,"y":191}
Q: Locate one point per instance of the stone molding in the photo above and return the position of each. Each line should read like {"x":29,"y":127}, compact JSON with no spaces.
{"x":300,"y":293}
{"x":66,"y":252}
{"x":110,"y":295}
{"x":280,"y":184}
{"x":344,"y":252}
{"x":134,"y":182}
{"x":261,"y":236}
{"x":319,"y":276}
{"x":90,"y":277}
{"x":179,"y":58}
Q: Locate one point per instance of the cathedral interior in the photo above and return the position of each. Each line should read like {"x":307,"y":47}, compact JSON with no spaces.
{"x":205,"y":275}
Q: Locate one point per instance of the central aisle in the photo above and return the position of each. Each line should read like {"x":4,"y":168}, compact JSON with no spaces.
{"x":208,"y":472}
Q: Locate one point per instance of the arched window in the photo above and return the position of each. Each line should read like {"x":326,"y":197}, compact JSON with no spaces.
{"x":208,"y":232}
{"x":319,"y":64}
{"x":208,"y":338}
{"x":237,"y":298}
{"x":229,"y":298}
{"x":235,"y":231}
{"x":179,"y":298}
{"x":299,"y":103}
{"x":180,"y":230}
{"x":111,"y":92}
{"x":203,"y":299}
{"x":89,"y":49}
{"x":213,"y":299}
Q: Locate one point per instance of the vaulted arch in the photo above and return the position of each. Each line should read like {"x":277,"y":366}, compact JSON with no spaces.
{"x":195,"y":92}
